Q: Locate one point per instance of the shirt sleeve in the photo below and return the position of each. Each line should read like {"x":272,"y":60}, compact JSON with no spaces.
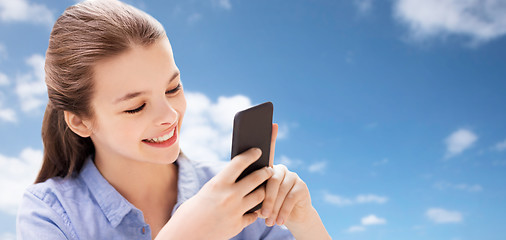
{"x":40,"y":218}
{"x":278,"y":233}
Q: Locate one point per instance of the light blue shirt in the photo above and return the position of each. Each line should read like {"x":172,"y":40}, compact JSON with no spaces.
{"x":88,"y":207}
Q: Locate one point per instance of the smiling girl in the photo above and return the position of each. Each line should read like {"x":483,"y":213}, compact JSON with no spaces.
{"x":112,"y":166}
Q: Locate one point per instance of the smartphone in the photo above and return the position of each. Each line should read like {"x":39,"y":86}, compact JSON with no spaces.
{"x":253,"y":128}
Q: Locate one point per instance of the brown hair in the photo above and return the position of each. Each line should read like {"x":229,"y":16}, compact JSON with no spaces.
{"x":84,"y":34}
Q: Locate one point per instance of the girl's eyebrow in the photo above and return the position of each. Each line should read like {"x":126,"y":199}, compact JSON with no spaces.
{"x":174,"y":76}
{"x":129,"y":96}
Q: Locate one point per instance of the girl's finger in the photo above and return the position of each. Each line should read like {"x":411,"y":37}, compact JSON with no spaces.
{"x":248,"y":219}
{"x":272,"y":189}
{"x":273,"y":143}
{"x":293,"y":197}
{"x":253,"y":180}
{"x":284,"y":189}
{"x":253,"y":199}
{"x":238,"y":164}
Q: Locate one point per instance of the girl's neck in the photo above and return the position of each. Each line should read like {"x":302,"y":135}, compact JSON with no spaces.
{"x":145,"y":185}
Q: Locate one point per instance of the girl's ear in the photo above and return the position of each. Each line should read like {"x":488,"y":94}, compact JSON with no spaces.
{"x":77,"y":124}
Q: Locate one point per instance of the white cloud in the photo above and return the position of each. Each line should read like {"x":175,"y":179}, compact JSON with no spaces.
{"x":225,"y":4}
{"x":193,"y":18}
{"x":283,"y":131}
{"x":4,"y":80}
{"x":480,"y":20}
{"x":8,"y":115}
{"x":499,"y":163}
{"x":7,"y":236}
{"x":371,"y":126}
{"x":354,"y":229}
{"x":373,"y":220}
{"x":381,"y":162}
{"x":363,"y":6}
{"x":3,"y":52}
{"x":500,"y":146}
{"x":360,"y":199}
{"x":366,"y":221}
{"x":207,"y":129}
{"x":462,"y":186}
{"x":459,"y":141}
{"x":31,"y":88}
{"x":469,"y":188}
{"x":317,"y":167}
{"x":439,"y":215}
{"x":350,"y":59}
{"x":337,"y":200}
{"x":25,"y":11}
{"x":222,"y":113}
{"x":288,"y":162}
{"x":17,"y":173}
{"x":371,"y":198}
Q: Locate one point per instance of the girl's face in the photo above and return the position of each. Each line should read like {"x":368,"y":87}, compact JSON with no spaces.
{"x":138,"y":105}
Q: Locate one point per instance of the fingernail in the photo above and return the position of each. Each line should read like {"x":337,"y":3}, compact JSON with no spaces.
{"x":269,"y":222}
{"x":265,"y":212}
{"x":280,"y":221}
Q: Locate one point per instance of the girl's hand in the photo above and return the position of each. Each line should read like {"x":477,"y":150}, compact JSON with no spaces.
{"x":287,"y":197}
{"x":218,"y":210}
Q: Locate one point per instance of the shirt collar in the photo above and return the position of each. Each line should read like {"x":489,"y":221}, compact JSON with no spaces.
{"x":188,"y":182}
{"x":116,"y":207}
{"x":113,"y":205}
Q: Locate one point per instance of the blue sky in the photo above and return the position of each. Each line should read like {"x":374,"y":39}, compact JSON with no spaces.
{"x":391,"y":111}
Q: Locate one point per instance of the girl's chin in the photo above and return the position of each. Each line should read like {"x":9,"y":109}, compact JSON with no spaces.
{"x":166,"y":157}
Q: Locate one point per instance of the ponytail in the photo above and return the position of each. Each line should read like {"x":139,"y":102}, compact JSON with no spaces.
{"x":64,"y":151}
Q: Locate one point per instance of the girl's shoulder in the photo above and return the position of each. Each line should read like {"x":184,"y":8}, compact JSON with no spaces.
{"x":57,"y":188}
{"x":44,"y":208}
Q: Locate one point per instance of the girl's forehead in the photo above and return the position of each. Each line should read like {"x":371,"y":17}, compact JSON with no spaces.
{"x":138,"y":66}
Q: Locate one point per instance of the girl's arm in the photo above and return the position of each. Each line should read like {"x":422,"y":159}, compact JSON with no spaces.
{"x":311,"y":228}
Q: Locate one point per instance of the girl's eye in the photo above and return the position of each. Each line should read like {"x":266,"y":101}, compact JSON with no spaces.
{"x":136,"y":110}
{"x":174,"y":90}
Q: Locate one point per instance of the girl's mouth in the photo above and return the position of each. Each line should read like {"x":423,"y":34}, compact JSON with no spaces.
{"x":164,"y":140}
{"x":161,"y":138}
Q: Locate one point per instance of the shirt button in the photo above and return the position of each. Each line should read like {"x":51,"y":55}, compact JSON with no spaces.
{"x":143,"y":230}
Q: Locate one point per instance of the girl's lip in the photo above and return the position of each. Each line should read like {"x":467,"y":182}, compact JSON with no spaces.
{"x":166,"y":143}
{"x":165,"y":132}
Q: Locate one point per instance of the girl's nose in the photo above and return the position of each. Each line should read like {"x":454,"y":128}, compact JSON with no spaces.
{"x":166,"y":113}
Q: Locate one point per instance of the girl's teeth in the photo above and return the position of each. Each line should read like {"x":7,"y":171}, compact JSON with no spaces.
{"x":162,"y":138}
